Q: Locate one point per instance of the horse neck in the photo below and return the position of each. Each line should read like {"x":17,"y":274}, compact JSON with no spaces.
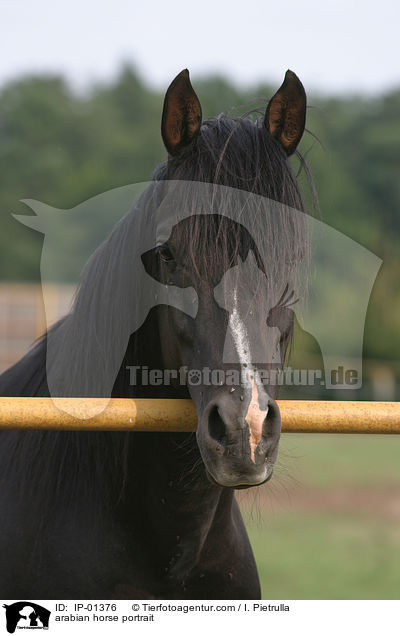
{"x":165,"y":472}
{"x":170,"y":501}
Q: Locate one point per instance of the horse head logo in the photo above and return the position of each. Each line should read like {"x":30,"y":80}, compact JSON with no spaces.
{"x":126,"y":292}
{"x":26,"y":614}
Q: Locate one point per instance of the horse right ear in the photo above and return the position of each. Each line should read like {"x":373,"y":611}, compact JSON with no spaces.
{"x":181,"y":118}
{"x":285,"y":116}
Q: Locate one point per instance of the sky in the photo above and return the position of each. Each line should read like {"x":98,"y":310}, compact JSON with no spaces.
{"x":334,"y":46}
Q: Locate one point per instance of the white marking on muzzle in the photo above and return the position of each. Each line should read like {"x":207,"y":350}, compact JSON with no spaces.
{"x":255,"y":419}
{"x":255,"y":416}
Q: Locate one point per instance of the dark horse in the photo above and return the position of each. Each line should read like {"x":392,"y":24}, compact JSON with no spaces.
{"x":153,"y":515}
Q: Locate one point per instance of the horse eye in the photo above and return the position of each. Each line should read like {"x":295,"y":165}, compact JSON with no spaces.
{"x":165,"y":254}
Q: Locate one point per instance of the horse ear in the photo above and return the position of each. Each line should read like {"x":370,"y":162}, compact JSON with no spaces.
{"x":181,"y":118}
{"x":285,"y":116}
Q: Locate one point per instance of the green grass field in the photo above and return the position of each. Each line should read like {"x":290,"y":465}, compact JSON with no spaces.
{"x":328,"y":525}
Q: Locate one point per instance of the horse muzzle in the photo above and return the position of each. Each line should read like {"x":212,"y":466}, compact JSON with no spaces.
{"x":239,"y":444}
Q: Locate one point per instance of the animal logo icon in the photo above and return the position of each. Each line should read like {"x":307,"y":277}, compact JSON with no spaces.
{"x":25,"y":614}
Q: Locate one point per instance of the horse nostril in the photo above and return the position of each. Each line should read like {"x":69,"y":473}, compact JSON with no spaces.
{"x":216,"y":426}
{"x":272,"y":422}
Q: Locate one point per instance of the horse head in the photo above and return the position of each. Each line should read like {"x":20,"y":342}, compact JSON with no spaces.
{"x":235,"y":261}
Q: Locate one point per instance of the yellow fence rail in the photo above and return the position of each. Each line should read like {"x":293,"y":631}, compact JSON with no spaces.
{"x":298,"y":416}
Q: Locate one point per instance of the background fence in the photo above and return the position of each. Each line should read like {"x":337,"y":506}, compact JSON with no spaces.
{"x":22,"y":316}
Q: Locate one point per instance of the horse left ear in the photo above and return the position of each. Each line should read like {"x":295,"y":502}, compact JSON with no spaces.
{"x":285,"y":116}
{"x":181,"y":118}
